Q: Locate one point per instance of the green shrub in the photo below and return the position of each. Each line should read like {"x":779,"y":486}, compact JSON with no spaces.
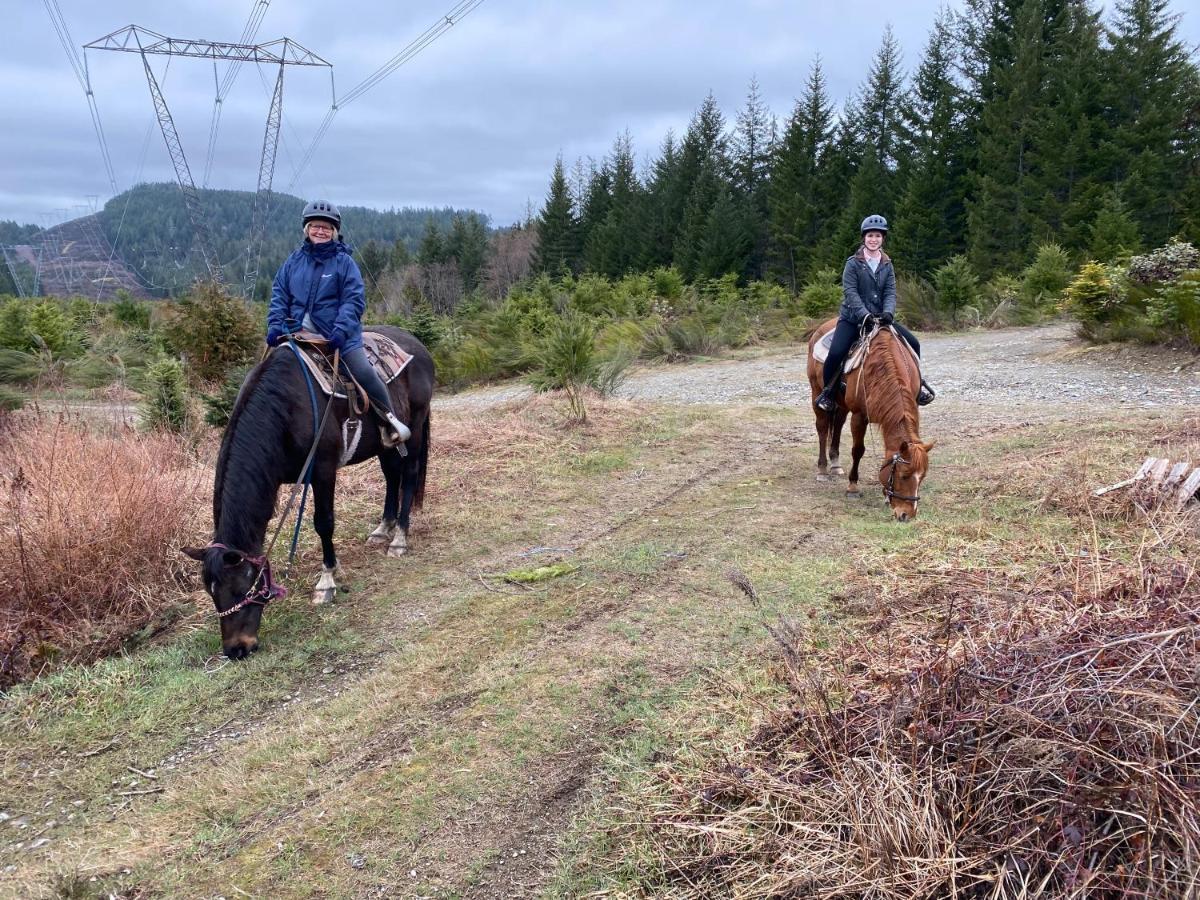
{"x":623,"y":336}
{"x":49,"y":327}
{"x":131,"y":313}
{"x":14,"y":325}
{"x":424,"y":324}
{"x":567,"y":361}
{"x":957,"y":289}
{"x":668,"y":283}
{"x":219,"y":406}
{"x":164,"y":403}
{"x":213,"y":332}
{"x":821,"y":295}
{"x":1113,"y":233}
{"x":690,"y":336}
{"x":1176,"y":307}
{"x":1001,"y":302}
{"x":10,"y":399}
{"x":19,"y":367}
{"x":1043,"y":280}
{"x":1094,"y":298}
{"x":766,"y":295}
{"x":594,"y":295}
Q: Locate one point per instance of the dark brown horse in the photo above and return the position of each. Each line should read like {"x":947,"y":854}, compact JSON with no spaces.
{"x":883,"y":391}
{"x":268,"y":438}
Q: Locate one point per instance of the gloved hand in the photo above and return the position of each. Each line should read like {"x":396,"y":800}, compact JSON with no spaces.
{"x":274,"y":335}
{"x":886,"y":319}
{"x":337,"y":340}
{"x":867,"y":321}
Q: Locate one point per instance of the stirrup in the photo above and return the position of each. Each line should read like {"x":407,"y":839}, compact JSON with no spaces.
{"x":395,"y":431}
{"x":925,"y":394}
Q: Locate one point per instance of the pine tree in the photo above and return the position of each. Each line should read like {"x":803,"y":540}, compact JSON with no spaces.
{"x":797,"y":203}
{"x":432,"y":248}
{"x":930,"y":222}
{"x":1154,"y":92}
{"x":727,"y":242}
{"x":703,"y":167}
{"x":753,"y":142}
{"x":1007,"y":55}
{"x":882,"y":109}
{"x":663,"y":208}
{"x":1113,"y":232}
{"x":467,"y":244}
{"x":614,"y":246}
{"x":557,"y":247}
{"x":597,"y":200}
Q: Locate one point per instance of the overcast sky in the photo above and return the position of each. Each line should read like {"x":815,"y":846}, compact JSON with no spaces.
{"x":475,"y":120}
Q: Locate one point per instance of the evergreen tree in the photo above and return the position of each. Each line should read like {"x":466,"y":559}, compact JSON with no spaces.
{"x":664,"y":206}
{"x":557,"y":247}
{"x":597,"y":200}
{"x":614,"y":246}
{"x":753,"y":142}
{"x":1113,"y":232}
{"x":930,"y":222}
{"x":399,"y":257}
{"x":1153,"y":97}
{"x":432,"y":248}
{"x":703,"y":168}
{"x":727,"y":244}
{"x":1008,"y":58}
{"x":882,"y":109}
{"x":372,"y":262}
{"x":467,"y":244}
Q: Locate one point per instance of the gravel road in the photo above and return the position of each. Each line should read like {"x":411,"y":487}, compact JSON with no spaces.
{"x":1025,"y":374}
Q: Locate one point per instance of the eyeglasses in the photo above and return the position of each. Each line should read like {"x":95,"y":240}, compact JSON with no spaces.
{"x":314,"y":226}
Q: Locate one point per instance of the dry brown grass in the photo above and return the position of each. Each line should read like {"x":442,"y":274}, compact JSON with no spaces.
{"x":983,"y":736}
{"x":88,"y":541}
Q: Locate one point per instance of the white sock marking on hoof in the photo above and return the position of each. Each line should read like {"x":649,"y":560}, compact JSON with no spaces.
{"x":381,"y":535}
{"x":399,"y":545}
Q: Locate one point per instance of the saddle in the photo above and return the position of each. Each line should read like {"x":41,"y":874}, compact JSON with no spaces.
{"x":385,"y":355}
{"x":858,"y":350}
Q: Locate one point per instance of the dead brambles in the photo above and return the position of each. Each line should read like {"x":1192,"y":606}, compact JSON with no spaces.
{"x":986,"y":738}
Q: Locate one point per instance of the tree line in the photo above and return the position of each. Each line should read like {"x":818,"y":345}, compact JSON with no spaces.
{"x":1025,"y":122}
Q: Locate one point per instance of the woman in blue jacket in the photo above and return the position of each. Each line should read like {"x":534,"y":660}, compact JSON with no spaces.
{"x":868,"y":298}
{"x":319,"y":288}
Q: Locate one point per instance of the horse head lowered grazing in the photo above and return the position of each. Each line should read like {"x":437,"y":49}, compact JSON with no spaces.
{"x":883,"y":390}
{"x":269,"y":437}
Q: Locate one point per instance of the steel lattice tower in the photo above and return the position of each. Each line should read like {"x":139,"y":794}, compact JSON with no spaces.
{"x":283,"y":52}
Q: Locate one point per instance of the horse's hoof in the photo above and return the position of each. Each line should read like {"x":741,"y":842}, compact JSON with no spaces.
{"x":374,"y":538}
{"x":854,"y":494}
{"x":396,"y":552}
{"x":837,"y":470}
{"x":821,"y":476}
{"x":323,"y":597}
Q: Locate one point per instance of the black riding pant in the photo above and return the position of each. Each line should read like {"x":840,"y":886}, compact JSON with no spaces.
{"x":357,"y":363}
{"x":844,"y":336}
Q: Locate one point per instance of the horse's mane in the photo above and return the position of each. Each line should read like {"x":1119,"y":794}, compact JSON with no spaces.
{"x":252,"y":455}
{"x":891,"y":403}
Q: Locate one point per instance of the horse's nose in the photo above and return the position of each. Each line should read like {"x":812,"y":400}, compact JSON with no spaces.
{"x":241,"y":648}
{"x":902,"y":516}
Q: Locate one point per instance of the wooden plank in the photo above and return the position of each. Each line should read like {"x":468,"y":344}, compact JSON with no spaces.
{"x":1175,"y":476}
{"x":1188,"y":489}
{"x":1158,"y":471}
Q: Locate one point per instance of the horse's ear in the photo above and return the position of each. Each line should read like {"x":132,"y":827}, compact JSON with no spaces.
{"x":196,"y":553}
{"x":904,"y":448}
{"x":928,"y":445}
{"x":232,"y":558}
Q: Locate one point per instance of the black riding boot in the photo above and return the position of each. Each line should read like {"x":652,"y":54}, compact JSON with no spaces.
{"x":827,"y":399}
{"x":925,"y":395}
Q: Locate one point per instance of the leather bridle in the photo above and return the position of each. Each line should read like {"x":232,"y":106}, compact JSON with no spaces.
{"x":262,"y":590}
{"x":889,"y":489}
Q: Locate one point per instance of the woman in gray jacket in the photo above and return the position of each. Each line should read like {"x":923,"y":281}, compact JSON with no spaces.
{"x":868,"y":298}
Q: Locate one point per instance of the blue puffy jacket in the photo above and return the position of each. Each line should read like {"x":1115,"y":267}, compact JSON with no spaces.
{"x":323,"y":281}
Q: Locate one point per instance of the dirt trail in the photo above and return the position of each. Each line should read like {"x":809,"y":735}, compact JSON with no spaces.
{"x":1013,"y":375}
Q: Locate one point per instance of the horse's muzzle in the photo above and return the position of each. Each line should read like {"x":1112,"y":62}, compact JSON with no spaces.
{"x":241,"y":649}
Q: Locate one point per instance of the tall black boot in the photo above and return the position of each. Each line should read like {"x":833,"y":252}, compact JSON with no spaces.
{"x":827,"y":399}
{"x":926,"y":394}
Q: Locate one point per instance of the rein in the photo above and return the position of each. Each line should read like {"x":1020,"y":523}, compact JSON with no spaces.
{"x":889,"y":489}
{"x":264,"y":589}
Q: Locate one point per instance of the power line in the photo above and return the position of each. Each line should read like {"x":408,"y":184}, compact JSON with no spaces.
{"x":226,"y":84}
{"x":79,"y":67}
{"x":427,"y":37}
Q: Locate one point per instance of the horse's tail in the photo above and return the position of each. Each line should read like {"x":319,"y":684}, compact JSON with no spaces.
{"x":419,"y":496}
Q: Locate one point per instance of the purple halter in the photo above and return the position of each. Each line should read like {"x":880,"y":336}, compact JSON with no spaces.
{"x":262,"y":591}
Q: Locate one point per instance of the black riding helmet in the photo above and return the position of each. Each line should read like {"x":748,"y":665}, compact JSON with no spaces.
{"x":873,"y":223}
{"x":321,"y":209}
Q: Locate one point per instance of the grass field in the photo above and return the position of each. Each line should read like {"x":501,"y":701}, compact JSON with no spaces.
{"x":457,"y":727}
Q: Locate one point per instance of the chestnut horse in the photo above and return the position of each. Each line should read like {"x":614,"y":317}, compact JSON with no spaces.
{"x":883,"y":391}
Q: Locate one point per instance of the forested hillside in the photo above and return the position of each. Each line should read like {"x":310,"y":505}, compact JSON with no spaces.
{"x":1022,"y":123}
{"x":149,"y":227}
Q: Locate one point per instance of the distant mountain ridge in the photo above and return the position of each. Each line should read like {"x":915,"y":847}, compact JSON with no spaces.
{"x":150,"y":228}
{"x":142,"y":241}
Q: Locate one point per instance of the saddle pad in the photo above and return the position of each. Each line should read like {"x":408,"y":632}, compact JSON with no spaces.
{"x":385,"y":355}
{"x":858,"y":351}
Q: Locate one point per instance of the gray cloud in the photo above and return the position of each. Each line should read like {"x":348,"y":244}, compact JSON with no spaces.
{"x":476,"y":120}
